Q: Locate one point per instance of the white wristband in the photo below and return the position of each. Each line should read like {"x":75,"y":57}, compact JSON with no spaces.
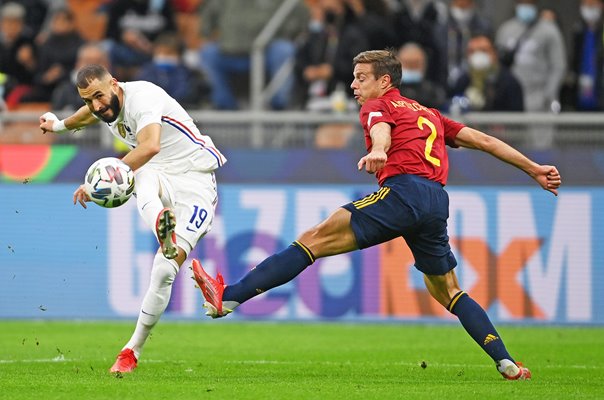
{"x":59,"y":126}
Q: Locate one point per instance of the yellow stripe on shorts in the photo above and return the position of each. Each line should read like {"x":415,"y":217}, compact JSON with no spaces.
{"x":372,"y":198}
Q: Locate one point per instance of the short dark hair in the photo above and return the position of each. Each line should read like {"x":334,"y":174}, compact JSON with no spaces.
{"x":384,"y":62}
{"x":89,"y":73}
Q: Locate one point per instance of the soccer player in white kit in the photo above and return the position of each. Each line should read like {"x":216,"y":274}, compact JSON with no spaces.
{"x":174,"y":179}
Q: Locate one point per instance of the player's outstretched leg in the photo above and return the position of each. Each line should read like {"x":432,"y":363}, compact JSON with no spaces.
{"x":212,"y":290}
{"x":125,"y":362}
{"x":164,"y":227}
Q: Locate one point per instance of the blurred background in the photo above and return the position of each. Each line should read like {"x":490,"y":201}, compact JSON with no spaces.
{"x":269,"y":80}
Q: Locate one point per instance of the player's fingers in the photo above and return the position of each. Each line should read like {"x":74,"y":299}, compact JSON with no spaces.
{"x":361,"y":163}
{"x":82,"y":200}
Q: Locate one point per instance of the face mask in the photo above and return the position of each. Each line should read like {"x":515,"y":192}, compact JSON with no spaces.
{"x":411,"y":76}
{"x":480,"y":60}
{"x":165,"y":61}
{"x":591,"y":14}
{"x":526,"y":12}
{"x":462,"y":15}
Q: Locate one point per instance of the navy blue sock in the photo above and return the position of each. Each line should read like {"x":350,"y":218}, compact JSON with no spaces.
{"x":276,"y":270}
{"x":476,"y":322}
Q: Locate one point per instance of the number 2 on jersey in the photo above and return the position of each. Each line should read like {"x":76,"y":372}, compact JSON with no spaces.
{"x":421,"y":121}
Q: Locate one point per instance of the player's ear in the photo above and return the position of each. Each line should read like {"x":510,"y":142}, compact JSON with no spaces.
{"x":385,"y":81}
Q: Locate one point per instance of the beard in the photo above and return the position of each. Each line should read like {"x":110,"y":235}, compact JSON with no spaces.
{"x":114,"y":106}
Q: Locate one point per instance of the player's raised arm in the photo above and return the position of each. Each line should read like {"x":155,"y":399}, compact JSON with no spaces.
{"x":81,"y":118}
{"x":547,"y":176}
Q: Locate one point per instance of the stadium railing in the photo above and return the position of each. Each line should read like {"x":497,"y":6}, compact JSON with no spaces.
{"x":293,"y":129}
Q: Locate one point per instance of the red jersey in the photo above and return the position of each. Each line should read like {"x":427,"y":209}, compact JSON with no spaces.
{"x":418,"y":136}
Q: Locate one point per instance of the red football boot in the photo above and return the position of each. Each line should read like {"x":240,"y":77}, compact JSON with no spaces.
{"x":126,"y":362}
{"x":212,"y":290}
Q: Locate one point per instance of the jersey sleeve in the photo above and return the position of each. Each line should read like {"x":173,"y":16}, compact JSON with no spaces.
{"x":374,"y":111}
{"x":452,"y":128}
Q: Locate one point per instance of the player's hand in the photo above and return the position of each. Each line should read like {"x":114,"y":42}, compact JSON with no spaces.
{"x":80,"y":196}
{"x":373,"y":161}
{"x":45,"y":124}
{"x":548,"y":178}
{"x":50,"y":123}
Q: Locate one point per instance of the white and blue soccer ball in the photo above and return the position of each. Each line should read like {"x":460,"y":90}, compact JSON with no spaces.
{"x":109,"y":182}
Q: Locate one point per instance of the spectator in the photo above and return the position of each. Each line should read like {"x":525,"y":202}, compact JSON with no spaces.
{"x":587,"y":58}
{"x":421,"y":22}
{"x":187,"y":19}
{"x":36,"y":14}
{"x":535,"y":50}
{"x":17,"y":53}
{"x":414,"y":83}
{"x":132,"y":26}
{"x":229,"y":29}
{"x":486,"y":84}
{"x":56,"y":57}
{"x":65,"y":96}
{"x":168,"y":71}
{"x":374,"y":17}
{"x":464,"y":22}
{"x":322,"y":68}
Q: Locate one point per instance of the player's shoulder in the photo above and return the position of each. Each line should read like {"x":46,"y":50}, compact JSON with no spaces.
{"x":137,"y":87}
{"x":142,"y":93}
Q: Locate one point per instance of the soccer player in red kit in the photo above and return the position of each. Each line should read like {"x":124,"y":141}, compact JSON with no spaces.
{"x":406,"y":151}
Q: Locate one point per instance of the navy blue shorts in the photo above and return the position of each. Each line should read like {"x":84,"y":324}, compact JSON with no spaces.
{"x":413,"y":207}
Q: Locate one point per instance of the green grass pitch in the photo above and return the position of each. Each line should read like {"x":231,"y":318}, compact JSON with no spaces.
{"x":277,"y":360}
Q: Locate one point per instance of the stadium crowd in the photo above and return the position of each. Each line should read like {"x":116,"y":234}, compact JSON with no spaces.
{"x":453,"y":57}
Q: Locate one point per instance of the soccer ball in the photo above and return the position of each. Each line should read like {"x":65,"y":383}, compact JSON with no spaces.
{"x":109,"y":182}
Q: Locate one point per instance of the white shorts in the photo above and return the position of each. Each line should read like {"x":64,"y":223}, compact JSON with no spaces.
{"x":193,"y":197}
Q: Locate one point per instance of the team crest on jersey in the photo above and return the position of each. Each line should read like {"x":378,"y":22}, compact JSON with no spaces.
{"x":122,"y":129}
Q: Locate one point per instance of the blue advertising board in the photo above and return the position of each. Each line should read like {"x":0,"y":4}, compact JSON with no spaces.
{"x":523,"y":254}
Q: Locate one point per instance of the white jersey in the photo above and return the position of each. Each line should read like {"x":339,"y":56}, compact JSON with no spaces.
{"x":183,"y":147}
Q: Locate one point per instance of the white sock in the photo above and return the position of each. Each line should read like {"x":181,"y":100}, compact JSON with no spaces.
{"x":155,"y":302}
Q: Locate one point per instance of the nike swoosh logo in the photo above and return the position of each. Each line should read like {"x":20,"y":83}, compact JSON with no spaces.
{"x":146,"y":313}
{"x":146,"y":204}
{"x":192,"y":230}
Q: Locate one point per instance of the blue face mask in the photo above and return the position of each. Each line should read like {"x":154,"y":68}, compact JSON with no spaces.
{"x":410,"y":76}
{"x":526,"y":12}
